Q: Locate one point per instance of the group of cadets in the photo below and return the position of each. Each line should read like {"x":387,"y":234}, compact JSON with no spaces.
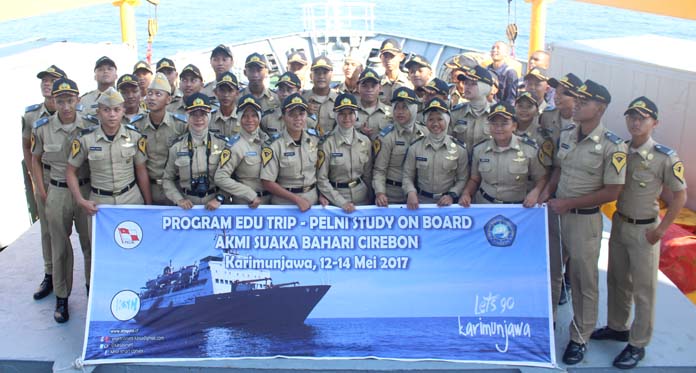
{"x":487,"y":137}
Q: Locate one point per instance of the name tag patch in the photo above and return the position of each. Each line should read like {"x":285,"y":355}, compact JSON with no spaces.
{"x":337,"y":154}
{"x":484,"y":160}
{"x":421,"y":159}
{"x":399,"y":143}
{"x":95,"y":148}
{"x":565,"y":146}
{"x":289,"y":154}
{"x":251,"y":154}
{"x":181,"y":153}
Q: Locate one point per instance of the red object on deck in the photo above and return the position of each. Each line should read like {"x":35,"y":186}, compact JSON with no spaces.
{"x":678,"y":257}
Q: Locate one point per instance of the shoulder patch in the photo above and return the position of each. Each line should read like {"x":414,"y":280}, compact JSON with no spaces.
{"x":273,"y":138}
{"x":385,"y":131}
{"x":32,"y":108}
{"x":180,"y":117}
{"x":529,"y":141}
{"x":232,"y":140}
{"x":611,"y":136}
{"x":221,"y":137}
{"x":225,"y":156}
{"x":136,"y":118}
{"x":40,"y":122}
{"x":664,"y":150}
{"x":132,"y":128}
{"x":312,"y":132}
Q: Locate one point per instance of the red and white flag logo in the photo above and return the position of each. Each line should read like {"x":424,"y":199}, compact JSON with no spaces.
{"x":128,"y":235}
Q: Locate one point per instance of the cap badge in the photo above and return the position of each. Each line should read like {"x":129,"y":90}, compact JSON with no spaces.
{"x":248,"y":100}
{"x":296,"y":100}
{"x":346,"y":101}
{"x":255,"y":59}
{"x":51,"y":70}
{"x":164,"y":64}
{"x":388,"y":46}
{"x":369,"y":74}
{"x":402,"y":94}
{"x":226,"y":78}
{"x":583,"y":88}
{"x":435,"y":104}
{"x":127,"y":78}
{"x":198,"y":102}
{"x":639,"y":104}
{"x":63,"y":86}
{"x":500,"y":108}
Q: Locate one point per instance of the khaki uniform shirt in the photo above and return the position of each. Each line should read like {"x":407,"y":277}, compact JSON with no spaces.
{"x":225,"y":126}
{"x":377,"y":120}
{"x":272,"y":122}
{"x":268,"y":100}
{"x":587,"y":165}
{"x":344,"y":88}
{"x":649,"y":167}
{"x":240,"y":167}
{"x":89,"y":101}
{"x":389,"y":86}
{"x":183,"y":164}
{"x":209,"y":90}
{"x":504,"y":172}
{"x":111,"y":162}
{"x":457,"y":98}
{"x":467,"y":127}
{"x":436,"y":168}
{"x":551,"y":119}
{"x":159,"y":139}
{"x":31,"y":115}
{"x":544,"y":138}
{"x":289,"y":164}
{"x":389,"y":149}
{"x":52,"y":142}
{"x":178,"y":107}
{"x":135,"y":117}
{"x":343,"y":162}
{"x":326,"y":118}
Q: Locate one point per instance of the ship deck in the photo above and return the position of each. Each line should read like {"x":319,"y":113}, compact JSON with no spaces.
{"x":33,"y":342}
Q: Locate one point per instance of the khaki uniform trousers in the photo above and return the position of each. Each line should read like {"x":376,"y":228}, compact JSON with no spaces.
{"x":582,"y":236}
{"x":131,"y":197}
{"x":557,"y":259}
{"x":158,"y":196}
{"x":312,"y":196}
{"x":62,"y":211}
{"x":632,"y":277}
{"x":45,"y":233}
{"x":395,"y":194}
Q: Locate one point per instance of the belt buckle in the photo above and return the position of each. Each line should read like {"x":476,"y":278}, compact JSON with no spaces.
{"x":116,"y":193}
{"x":306,"y":189}
{"x":353,"y":183}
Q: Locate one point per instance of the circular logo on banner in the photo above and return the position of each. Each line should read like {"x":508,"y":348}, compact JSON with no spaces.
{"x":500,"y":231}
{"x":128,"y":234}
{"x":125,"y":305}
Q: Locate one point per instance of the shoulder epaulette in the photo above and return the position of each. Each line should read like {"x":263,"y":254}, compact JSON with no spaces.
{"x":312,"y":116}
{"x":613,"y":137}
{"x":570,"y":127}
{"x":334,"y":85}
{"x":40,"y":122}
{"x":136,"y":118}
{"x":32,"y":108}
{"x":313,"y":132}
{"x":479,"y":143}
{"x":88,"y":130}
{"x":269,"y":111}
{"x":529,"y":141}
{"x":418,"y":139}
{"x":180,"y":138}
{"x":273,"y":138}
{"x":221,"y":137}
{"x":458,"y":106}
{"x":213,"y":110}
{"x":80,"y":107}
{"x":132,"y":128}
{"x":385,"y":131}
{"x":232,"y":140}
{"x":456,"y":141}
{"x":179,"y":116}
{"x":91,"y":118}
{"x":549,"y":108}
{"x":664,"y":150}
{"x":545,"y":131}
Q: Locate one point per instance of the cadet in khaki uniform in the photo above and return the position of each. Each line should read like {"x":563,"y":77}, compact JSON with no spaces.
{"x":322,"y":94}
{"x":435,"y":88}
{"x":240,"y":161}
{"x":589,"y":170}
{"x":469,"y":120}
{"x":167,"y":67}
{"x":636,"y":230}
{"x":161,"y":128}
{"x":256,"y":71}
{"x":38,"y":114}
{"x":116,"y":155}
{"x":352,"y":69}
{"x":144,"y":74}
{"x":419,"y":74}
{"x":391,"y":56}
{"x":345,"y":159}
{"x":290,"y":159}
{"x":105,"y":74}
{"x":193,"y":160}
{"x":221,"y":60}
{"x":51,"y":145}
{"x":502,"y":166}
{"x":390,"y":146}
{"x":554,"y":119}
{"x":223,"y":120}
{"x":436,"y":167}
{"x":537,"y":83}
{"x":272,"y":122}
{"x":127,"y":85}
{"x":373,"y":115}
{"x":190,"y":82}
{"x":298,"y":65}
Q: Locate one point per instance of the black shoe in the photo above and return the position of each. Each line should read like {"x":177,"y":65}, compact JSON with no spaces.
{"x":563,"y":299}
{"x":45,"y":288}
{"x":611,"y":334}
{"x":629,"y":357}
{"x":87,"y":286}
{"x":61,"y":314}
{"x":574,"y":353}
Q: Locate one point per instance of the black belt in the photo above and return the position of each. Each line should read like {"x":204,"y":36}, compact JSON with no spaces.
{"x":263,"y":194}
{"x":394,"y":183}
{"x":430,"y":195}
{"x":63,"y":184}
{"x":115,"y":193}
{"x":490,"y":198}
{"x":301,"y":189}
{"x":208,"y":192}
{"x":589,"y":211}
{"x":46,"y":166}
{"x":349,"y":184}
{"x":636,"y":221}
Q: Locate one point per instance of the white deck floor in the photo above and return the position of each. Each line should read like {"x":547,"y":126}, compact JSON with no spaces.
{"x":32,"y":342}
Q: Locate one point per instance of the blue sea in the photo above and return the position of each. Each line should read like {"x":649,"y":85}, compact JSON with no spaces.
{"x":406,"y":338}
{"x":199,"y":25}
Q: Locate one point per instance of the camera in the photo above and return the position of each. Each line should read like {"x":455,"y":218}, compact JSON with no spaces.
{"x":200,"y":184}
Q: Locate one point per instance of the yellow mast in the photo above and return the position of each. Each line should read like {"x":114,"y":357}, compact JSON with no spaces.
{"x":537,"y":32}
{"x":128,"y":35}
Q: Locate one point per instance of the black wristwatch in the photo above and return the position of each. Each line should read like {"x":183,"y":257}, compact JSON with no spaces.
{"x":454,"y":196}
{"x":220,"y":198}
